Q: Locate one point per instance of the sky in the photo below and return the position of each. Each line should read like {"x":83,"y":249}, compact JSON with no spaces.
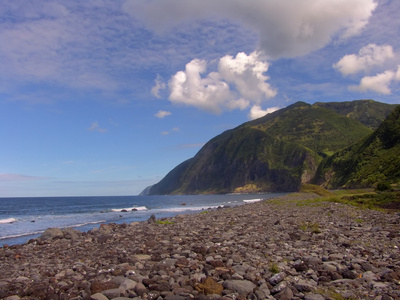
{"x":105,"y":97}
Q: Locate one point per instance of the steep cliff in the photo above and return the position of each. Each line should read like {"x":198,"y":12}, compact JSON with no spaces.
{"x":275,"y":153}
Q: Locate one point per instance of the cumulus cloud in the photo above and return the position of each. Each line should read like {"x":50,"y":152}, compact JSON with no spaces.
{"x":286,"y":28}
{"x":368,"y":56}
{"x":378,"y":83}
{"x":209,"y":93}
{"x":159,"y":85}
{"x":257,"y":112}
{"x":162,"y":114}
{"x":244,"y":73}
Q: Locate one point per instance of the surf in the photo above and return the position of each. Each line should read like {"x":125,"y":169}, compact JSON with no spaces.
{"x":7,"y":220}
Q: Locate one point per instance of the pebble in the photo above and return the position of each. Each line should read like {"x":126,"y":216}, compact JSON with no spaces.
{"x":267,"y":250}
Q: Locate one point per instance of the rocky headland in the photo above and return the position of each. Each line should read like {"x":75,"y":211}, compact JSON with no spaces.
{"x":293,"y":247}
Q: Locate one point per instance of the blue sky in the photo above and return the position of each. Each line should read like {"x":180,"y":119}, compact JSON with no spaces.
{"x":105,"y":97}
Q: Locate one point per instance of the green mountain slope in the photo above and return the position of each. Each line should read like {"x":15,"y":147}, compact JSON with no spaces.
{"x":277,"y":152}
{"x":322,"y":130}
{"x":368,"y":112}
{"x":374,"y":159}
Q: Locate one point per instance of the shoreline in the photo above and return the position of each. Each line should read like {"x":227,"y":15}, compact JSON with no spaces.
{"x":88,"y":213}
{"x":290,"y":247}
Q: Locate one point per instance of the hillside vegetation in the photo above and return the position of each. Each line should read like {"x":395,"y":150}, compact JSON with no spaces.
{"x":282,"y":150}
{"x":374,"y":159}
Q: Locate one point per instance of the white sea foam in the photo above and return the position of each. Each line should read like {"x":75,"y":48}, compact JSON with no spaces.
{"x":186,"y":208}
{"x":8,"y":220}
{"x":41,"y":231}
{"x":129,"y":209}
{"x":252,"y":200}
{"x":88,"y":223}
{"x":20,"y":235}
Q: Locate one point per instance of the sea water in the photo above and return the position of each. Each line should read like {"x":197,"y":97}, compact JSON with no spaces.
{"x":22,"y":219}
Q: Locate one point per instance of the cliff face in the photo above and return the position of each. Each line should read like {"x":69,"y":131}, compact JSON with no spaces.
{"x":275,"y":153}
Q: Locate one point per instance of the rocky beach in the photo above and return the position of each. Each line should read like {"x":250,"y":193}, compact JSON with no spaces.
{"x":292,"y":247}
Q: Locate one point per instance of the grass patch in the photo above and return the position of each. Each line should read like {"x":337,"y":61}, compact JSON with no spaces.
{"x":273,"y":268}
{"x":332,"y":294}
{"x":164,"y":222}
{"x":385,"y":201}
{"x":311,"y":227}
{"x":316,"y":189}
{"x":351,"y":192}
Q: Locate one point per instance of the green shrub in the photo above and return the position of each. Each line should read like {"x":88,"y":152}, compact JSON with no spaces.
{"x":383,"y":186}
{"x":273,"y":268}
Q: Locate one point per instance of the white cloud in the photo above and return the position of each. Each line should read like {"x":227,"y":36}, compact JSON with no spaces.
{"x":189,"y":88}
{"x":368,"y":56}
{"x":100,"y":46}
{"x":378,"y":83}
{"x":162,"y":114}
{"x":158,"y":86}
{"x":59,"y":43}
{"x":95,"y":127}
{"x":286,"y":28}
{"x":397,"y":76}
{"x":245,"y":73}
{"x":257,"y":112}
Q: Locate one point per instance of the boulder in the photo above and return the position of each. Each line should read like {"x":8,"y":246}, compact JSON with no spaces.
{"x":152,"y":219}
{"x":71,"y":234}
{"x":51,"y":234}
{"x":210,"y":287}
{"x":98,"y":296}
{"x":140,"y":289}
{"x":243,"y":287}
{"x":305,"y":286}
{"x":274,"y":280}
{"x":112,"y":293}
{"x":285,"y":294}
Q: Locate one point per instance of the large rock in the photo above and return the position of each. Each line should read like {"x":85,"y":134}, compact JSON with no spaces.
{"x":98,"y":296}
{"x":285,"y":294}
{"x":210,"y":287}
{"x":71,"y":234}
{"x":243,"y":287}
{"x":51,"y":234}
{"x":274,"y":280}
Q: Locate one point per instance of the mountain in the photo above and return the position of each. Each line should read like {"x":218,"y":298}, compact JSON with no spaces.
{"x":374,"y":159}
{"x":277,"y":152}
{"x":367,"y":112}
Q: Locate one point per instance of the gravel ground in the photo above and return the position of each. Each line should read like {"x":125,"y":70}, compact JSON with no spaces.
{"x":292,"y":247}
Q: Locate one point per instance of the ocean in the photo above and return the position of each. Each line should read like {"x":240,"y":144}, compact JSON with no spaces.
{"x":22,"y":219}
